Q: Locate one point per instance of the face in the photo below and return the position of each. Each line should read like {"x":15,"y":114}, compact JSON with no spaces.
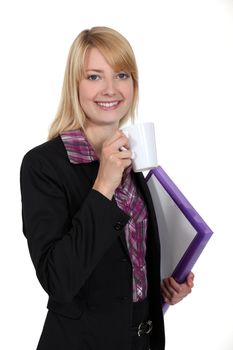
{"x":105,"y":95}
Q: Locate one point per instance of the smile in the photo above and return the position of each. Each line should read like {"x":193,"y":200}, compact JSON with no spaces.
{"x":108,"y":105}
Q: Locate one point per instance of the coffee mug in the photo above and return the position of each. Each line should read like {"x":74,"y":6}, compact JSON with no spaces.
{"x":142,"y":144}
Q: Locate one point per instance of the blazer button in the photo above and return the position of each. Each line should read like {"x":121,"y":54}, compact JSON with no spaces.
{"x":118,"y":226}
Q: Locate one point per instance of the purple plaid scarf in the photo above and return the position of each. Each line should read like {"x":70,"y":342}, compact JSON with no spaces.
{"x":128,"y":199}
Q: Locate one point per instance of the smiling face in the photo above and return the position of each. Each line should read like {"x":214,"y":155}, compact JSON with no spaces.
{"x":104,"y":94}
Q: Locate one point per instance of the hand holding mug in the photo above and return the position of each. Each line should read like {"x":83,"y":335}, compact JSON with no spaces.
{"x":115,"y":158}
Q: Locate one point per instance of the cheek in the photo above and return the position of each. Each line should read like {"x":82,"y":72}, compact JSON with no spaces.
{"x":129,"y":92}
{"x":85,"y":96}
{"x":83,"y":92}
{"x":130,"y":89}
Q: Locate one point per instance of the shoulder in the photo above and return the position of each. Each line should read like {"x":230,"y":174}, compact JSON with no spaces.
{"x":50,"y":154}
{"x":48,"y":149}
{"x":51,"y":151}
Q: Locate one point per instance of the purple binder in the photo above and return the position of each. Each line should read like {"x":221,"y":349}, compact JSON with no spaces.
{"x":183,"y":233}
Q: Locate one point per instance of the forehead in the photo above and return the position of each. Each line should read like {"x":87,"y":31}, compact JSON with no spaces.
{"x":95,"y":60}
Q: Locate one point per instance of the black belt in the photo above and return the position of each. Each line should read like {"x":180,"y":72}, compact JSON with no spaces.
{"x":143,"y":328}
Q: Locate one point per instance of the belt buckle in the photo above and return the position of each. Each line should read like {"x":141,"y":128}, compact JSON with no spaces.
{"x":145,"y":327}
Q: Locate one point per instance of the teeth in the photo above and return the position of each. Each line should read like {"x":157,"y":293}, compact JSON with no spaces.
{"x":107,"y":104}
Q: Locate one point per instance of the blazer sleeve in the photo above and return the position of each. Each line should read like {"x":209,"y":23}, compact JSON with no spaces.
{"x":64,"y":249}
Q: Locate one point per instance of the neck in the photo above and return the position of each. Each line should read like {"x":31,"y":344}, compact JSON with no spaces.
{"x":97,"y":134}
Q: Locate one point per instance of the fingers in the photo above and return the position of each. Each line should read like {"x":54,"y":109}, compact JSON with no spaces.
{"x":172,"y":285}
{"x":117,"y":147}
{"x":120,"y":160}
{"x":117,"y":141}
{"x":114,"y":159}
{"x":174,"y":292}
{"x":190,"y":279}
{"x":171,"y":291}
{"x":124,"y":154}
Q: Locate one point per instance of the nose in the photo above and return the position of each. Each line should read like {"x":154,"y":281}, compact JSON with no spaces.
{"x":109,"y":87}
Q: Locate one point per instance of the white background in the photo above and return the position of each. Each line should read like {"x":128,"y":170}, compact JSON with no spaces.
{"x":184,"y":51}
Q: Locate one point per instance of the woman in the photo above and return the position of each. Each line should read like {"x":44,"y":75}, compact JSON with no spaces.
{"x":89,"y":220}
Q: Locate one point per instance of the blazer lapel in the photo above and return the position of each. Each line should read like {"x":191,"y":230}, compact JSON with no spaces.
{"x":153,"y":242}
{"x":141,"y":182}
{"x":122,"y":236}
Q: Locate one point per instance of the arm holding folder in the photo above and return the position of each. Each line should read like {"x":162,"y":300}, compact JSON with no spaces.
{"x":183,"y":236}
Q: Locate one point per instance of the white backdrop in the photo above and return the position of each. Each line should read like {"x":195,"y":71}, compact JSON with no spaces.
{"x":184,"y":50}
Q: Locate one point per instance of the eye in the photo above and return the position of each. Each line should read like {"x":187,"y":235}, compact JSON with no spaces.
{"x":93,"y":77}
{"x":122,"y":76}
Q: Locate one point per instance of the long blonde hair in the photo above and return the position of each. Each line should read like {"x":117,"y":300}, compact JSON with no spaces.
{"x":119,"y":55}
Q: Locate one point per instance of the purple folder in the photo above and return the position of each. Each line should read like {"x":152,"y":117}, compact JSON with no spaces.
{"x":183,"y":233}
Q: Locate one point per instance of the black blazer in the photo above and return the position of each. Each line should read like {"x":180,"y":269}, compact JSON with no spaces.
{"x":77,"y":244}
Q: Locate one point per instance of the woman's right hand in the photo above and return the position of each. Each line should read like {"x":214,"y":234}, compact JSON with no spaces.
{"x":113,"y":162}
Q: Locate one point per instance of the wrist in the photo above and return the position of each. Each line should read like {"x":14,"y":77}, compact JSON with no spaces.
{"x":103,"y":189}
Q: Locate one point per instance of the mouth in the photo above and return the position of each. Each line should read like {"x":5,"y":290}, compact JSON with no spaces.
{"x":108,"y":105}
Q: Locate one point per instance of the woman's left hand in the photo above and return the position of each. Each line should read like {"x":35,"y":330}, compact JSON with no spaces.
{"x":174,"y":292}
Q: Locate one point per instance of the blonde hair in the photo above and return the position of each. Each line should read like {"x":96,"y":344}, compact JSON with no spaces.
{"x":119,"y":55}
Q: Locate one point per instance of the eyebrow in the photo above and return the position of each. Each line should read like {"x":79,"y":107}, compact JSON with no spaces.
{"x":94,"y":70}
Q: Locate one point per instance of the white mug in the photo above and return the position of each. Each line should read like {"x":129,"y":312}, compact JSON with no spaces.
{"x":142,"y":143}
